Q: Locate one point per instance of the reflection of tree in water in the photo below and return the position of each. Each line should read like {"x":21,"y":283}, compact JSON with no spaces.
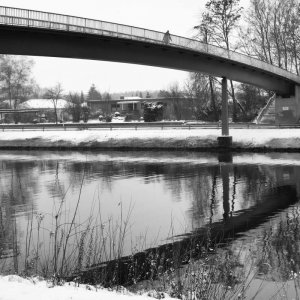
{"x":252,"y":182}
{"x":203,"y":187}
{"x":58,"y":186}
{"x":279,"y":254}
{"x":246,"y":182}
{"x":109,"y":171}
{"x":106,"y":171}
{"x":19,"y":182}
{"x":246,"y":185}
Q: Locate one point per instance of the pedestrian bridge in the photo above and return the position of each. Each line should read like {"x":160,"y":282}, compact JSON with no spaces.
{"x":27,"y":32}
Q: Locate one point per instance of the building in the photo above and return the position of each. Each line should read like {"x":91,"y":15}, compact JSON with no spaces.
{"x":46,"y":109}
{"x":9,"y":115}
{"x":174,"y":108}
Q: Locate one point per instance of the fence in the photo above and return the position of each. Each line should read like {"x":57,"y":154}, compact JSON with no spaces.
{"x":136,"y":126}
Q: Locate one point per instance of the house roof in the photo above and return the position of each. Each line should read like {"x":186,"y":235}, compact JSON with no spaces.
{"x":132,"y":98}
{"x":43,"y":104}
{"x":128,"y":102}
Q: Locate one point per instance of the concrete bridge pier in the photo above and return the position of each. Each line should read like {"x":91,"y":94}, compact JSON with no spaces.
{"x":225,"y":141}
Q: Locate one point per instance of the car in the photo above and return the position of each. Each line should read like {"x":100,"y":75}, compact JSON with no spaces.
{"x":118,"y":118}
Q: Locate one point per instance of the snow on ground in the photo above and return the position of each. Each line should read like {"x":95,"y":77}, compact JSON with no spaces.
{"x":152,"y":138}
{"x":13,"y":287}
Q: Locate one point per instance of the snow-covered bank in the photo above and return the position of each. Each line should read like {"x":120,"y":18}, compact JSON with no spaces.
{"x":13,"y":287}
{"x":152,"y":139}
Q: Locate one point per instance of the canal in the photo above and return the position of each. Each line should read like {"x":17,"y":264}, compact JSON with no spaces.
{"x":234,"y":217}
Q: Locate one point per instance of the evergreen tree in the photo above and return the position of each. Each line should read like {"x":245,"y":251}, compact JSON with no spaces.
{"x":74,"y":106}
{"x":107,"y":97}
{"x":153,"y":111}
{"x":93,"y":93}
{"x":82,"y":97}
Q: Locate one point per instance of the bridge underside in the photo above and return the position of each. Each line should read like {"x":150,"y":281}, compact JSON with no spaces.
{"x":43,"y":42}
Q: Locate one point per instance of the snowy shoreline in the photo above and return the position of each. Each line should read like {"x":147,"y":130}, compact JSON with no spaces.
{"x":169,"y":139}
{"x":32,"y":288}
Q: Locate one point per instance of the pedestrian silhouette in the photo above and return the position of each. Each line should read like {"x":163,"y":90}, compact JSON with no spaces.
{"x":167,"y":37}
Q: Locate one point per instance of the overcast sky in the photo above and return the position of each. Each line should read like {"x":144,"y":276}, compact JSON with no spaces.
{"x":178,"y":16}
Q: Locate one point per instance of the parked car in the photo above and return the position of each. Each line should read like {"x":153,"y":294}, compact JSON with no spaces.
{"x":118,"y":118}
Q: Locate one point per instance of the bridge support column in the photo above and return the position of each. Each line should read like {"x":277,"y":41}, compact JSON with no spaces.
{"x":225,"y":141}
{"x":297,"y":100}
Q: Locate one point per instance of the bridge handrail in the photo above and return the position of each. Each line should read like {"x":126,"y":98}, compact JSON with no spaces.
{"x":264,"y":109}
{"x":40,"y":19}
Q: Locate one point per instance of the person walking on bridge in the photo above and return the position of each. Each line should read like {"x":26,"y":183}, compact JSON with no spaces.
{"x":167,"y":37}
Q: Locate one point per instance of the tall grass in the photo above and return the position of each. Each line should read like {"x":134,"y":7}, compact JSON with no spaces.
{"x":92,"y":250}
{"x":78,"y":250}
{"x":217,"y":274}
{"x":60,"y":244}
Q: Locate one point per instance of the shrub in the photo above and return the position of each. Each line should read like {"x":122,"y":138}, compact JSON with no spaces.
{"x":153,"y":111}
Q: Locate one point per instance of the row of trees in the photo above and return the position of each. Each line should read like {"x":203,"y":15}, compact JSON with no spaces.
{"x":17,"y":86}
{"x":76,"y":106}
{"x":270,"y":31}
{"x":219,"y":25}
{"x":204,"y":93}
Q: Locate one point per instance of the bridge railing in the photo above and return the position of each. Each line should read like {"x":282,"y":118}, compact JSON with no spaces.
{"x":39,"y":19}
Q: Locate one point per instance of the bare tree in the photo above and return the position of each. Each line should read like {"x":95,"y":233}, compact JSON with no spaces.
{"x":294,"y":36}
{"x":15,"y":80}
{"x":74,"y":106}
{"x":54,"y":94}
{"x":174,"y":93}
{"x":272,"y":33}
{"x":204,"y":35}
{"x":198,"y":87}
{"x":220,"y":21}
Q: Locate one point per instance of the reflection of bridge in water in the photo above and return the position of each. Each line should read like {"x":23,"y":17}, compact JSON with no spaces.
{"x":147,"y":264}
{"x":27,"y":32}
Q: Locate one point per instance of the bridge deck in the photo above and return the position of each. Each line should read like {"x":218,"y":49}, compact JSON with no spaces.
{"x":36,"y":19}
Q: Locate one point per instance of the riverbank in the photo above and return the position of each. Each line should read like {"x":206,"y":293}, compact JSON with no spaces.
{"x":169,"y":139}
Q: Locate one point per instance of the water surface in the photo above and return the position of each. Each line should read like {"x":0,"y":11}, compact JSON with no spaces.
{"x":136,"y":200}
